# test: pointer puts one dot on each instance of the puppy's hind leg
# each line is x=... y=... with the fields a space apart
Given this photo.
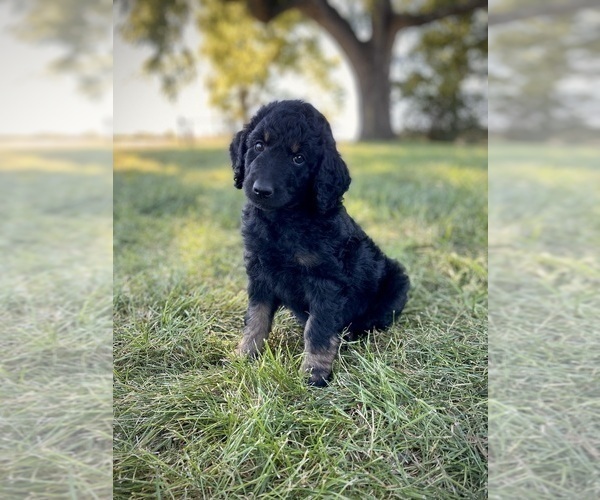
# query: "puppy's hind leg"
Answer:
x=390 y=299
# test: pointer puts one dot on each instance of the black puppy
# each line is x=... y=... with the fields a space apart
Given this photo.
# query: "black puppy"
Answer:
x=302 y=249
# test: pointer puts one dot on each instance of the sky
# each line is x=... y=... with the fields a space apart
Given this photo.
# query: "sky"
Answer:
x=34 y=101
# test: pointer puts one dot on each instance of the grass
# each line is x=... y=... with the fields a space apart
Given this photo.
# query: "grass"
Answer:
x=406 y=414
x=544 y=303
x=55 y=310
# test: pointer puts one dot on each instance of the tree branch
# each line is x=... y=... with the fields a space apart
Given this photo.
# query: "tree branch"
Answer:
x=332 y=21
x=400 y=21
x=267 y=10
x=319 y=11
x=540 y=11
x=381 y=18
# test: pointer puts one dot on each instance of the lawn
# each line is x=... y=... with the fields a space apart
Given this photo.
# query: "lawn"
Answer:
x=544 y=322
x=406 y=414
x=55 y=310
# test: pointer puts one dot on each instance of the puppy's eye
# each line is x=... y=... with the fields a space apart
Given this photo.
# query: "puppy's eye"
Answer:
x=259 y=147
x=298 y=159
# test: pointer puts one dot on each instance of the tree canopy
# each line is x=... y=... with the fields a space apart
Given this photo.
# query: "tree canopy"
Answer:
x=246 y=56
x=442 y=78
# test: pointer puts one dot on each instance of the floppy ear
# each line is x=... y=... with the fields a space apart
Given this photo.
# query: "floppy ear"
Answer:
x=238 y=148
x=237 y=151
x=331 y=181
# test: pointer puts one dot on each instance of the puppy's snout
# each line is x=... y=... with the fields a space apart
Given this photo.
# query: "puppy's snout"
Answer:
x=262 y=190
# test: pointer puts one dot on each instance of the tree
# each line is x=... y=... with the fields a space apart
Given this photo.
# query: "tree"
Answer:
x=369 y=54
x=160 y=24
x=435 y=80
x=365 y=33
x=245 y=55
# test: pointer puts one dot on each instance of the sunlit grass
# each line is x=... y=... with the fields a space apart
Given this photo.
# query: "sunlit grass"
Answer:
x=55 y=309
x=49 y=163
x=406 y=414
x=132 y=162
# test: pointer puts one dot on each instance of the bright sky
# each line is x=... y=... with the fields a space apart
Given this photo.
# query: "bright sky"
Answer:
x=32 y=100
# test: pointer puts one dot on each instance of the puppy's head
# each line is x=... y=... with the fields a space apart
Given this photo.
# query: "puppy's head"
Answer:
x=286 y=156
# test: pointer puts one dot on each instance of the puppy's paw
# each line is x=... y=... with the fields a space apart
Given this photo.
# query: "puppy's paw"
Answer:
x=319 y=380
x=244 y=350
x=318 y=368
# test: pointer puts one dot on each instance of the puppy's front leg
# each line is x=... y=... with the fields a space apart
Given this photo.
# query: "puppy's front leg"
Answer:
x=321 y=341
x=257 y=326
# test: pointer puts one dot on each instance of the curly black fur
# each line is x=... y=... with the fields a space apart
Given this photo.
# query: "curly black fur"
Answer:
x=302 y=249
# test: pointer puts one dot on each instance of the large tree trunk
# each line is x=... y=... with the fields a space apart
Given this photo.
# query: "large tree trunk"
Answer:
x=374 y=99
x=373 y=75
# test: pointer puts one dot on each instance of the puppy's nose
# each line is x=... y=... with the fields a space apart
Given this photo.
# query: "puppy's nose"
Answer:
x=262 y=190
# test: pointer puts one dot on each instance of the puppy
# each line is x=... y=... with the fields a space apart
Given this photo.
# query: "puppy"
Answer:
x=302 y=249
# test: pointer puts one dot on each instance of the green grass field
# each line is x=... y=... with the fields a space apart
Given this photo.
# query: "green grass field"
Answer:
x=544 y=322
x=406 y=414
x=55 y=310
